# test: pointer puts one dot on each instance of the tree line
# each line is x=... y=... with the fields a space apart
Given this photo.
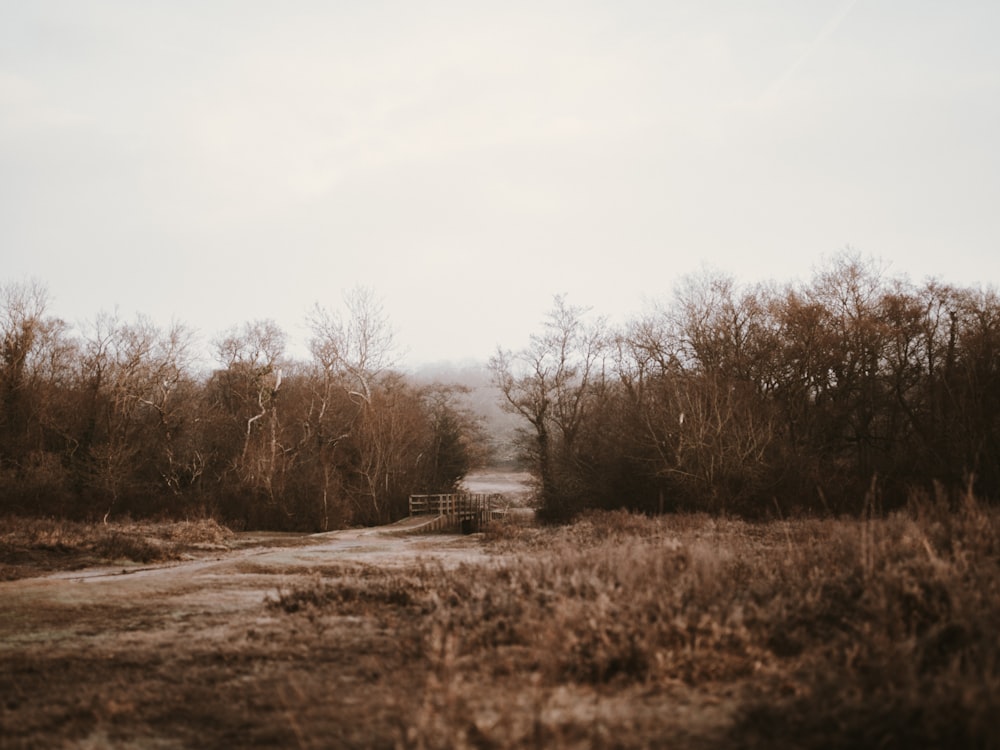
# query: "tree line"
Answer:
x=853 y=388
x=115 y=418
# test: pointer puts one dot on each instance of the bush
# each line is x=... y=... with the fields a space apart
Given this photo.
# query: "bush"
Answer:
x=118 y=545
x=26 y=538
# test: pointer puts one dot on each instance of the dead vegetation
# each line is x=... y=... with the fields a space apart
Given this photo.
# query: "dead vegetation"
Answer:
x=617 y=631
x=807 y=633
x=28 y=545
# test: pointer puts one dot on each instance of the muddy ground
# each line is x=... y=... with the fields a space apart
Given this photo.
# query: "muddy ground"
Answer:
x=188 y=654
x=195 y=653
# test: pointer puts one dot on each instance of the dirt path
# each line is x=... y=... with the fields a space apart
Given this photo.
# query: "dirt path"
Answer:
x=207 y=653
x=225 y=579
x=187 y=654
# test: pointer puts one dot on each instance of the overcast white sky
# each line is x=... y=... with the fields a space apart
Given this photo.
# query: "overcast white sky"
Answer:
x=218 y=162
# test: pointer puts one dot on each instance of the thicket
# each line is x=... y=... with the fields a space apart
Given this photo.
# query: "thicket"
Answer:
x=115 y=420
x=765 y=399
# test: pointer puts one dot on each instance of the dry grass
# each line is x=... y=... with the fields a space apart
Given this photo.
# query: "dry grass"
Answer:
x=618 y=631
x=834 y=633
x=30 y=544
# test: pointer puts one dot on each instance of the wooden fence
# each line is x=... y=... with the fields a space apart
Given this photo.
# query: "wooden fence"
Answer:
x=470 y=511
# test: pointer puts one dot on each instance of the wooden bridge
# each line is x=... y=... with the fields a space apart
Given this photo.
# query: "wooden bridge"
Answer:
x=469 y=512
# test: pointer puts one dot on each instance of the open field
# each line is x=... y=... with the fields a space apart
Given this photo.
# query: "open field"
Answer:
x=616 y=631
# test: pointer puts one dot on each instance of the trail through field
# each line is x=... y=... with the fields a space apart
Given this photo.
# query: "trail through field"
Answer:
x=183 y=654
x=244 y=575
x=221 y=581
x=225 y=650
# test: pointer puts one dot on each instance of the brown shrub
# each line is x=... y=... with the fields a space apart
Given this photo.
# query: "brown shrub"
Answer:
x=34 y=538
x=119 y=545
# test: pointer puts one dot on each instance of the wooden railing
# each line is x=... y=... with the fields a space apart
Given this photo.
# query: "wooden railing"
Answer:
x=466 y=509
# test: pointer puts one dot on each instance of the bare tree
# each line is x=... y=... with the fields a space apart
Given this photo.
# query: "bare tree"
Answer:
x=37 y=358
x=132 y=372
x=719 y=326
x=704 y=432
x=354 y=349
x=550 y=384
x=248 y=389
x=22 y=324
